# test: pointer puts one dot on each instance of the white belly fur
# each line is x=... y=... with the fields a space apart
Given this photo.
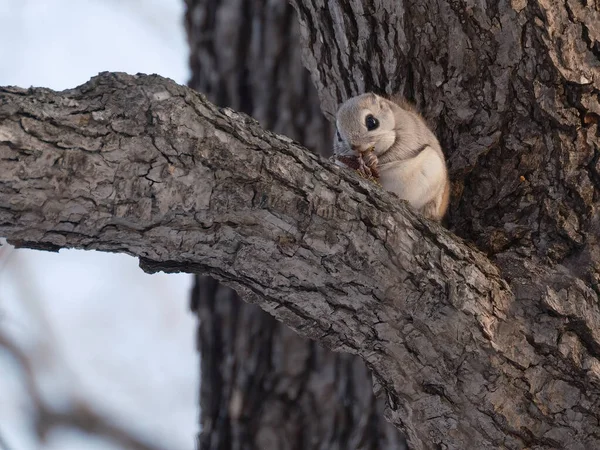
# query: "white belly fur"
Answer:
x=418 y=180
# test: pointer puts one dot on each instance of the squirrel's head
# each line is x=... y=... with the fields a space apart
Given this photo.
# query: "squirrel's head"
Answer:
x=363 y=122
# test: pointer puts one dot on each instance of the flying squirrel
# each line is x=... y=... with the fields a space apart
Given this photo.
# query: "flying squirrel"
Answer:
x=386 y=139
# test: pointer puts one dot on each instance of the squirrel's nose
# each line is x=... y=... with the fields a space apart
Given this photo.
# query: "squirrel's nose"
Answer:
x=360 y=149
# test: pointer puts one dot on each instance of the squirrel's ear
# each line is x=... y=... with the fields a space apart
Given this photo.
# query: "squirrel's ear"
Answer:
x=373 y=98
x=384 y=104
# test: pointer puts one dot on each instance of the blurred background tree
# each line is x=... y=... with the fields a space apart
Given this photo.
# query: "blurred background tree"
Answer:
x=263 y=387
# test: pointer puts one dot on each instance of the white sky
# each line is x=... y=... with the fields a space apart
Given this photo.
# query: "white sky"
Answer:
x=103 y=330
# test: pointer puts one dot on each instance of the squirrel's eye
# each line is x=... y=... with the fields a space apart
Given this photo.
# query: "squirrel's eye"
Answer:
x=371 y=122
x=339 y=137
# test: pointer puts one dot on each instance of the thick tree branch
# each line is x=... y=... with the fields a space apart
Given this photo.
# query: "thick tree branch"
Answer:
x=143 y=166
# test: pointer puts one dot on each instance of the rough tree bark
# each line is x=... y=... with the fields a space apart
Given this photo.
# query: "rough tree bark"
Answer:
x=471 y=353
x=512 y=89
x=465 y=359
x=263 y=386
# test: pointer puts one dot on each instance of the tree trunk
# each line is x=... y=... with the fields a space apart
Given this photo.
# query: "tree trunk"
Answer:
x=512 y=90
x=263 y=386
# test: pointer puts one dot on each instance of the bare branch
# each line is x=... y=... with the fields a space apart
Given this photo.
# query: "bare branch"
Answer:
x=143 y=166
x=79 y=415
x=3 y=443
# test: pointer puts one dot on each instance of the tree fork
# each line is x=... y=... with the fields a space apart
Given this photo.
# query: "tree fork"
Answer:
x=465 y=357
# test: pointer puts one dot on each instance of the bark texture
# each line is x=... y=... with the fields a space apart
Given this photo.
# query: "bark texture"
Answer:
x=512 y=89
x=288 y=392
x=263 y=386
x=465 y=358
x=246 y=54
